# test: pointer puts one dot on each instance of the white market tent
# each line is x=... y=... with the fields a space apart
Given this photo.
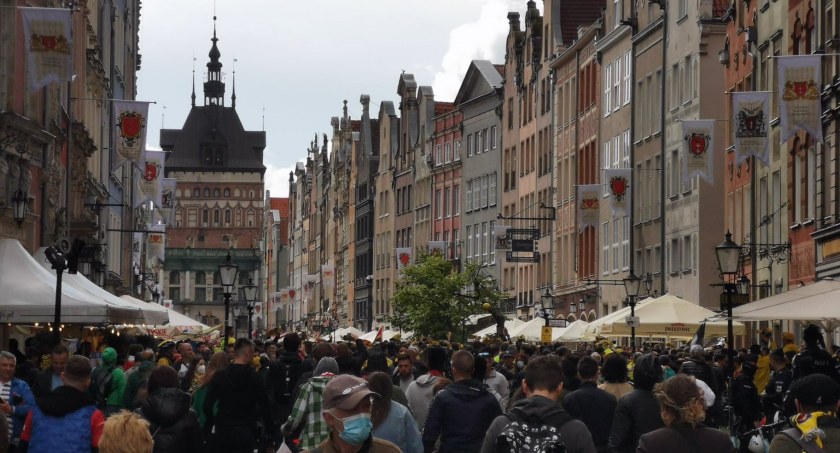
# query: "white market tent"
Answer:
x=667 y=316
x=819 y=301
x=28 y=294
x=341 y=332
x=510 y=325
x=81 y=283
x=532 y=330
x=387 y=334
x=575 y=331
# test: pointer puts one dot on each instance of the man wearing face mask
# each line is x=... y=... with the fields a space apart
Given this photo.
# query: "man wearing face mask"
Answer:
x=347 y=414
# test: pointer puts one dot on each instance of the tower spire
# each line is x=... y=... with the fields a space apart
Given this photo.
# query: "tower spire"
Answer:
x=233 y=91
x=193 y=88
x=214 y=88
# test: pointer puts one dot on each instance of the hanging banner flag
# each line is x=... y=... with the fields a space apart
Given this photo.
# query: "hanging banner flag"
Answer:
x=130 y=140
x=699 y=137
x=799 y=89
x=167 y=200
x=749 y=131
x=618 y=186
x=140 y=197
x=404 y=256
x=47 y=44
x=150 y=183
x=308 y=285
x=328 y=278
x=258 y=310
x=502 y=241
x=438 y=247
x=284 y=296
x=292 y=295
x=157 y=243
x=588 y=201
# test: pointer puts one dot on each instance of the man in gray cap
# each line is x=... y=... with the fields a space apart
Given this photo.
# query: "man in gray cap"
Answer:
x=346 y=410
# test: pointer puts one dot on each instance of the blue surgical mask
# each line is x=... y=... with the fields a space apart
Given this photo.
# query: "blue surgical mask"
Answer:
x=356 y=429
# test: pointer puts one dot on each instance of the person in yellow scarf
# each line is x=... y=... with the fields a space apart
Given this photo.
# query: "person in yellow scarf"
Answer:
x=762 y=372
x=815 y=426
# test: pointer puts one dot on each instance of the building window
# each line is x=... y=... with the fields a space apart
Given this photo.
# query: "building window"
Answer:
x=469 y=145
x=206 y=192
x=468 y=242
x=196 y=192
x=174 y=278
x=491 y=191
x=606 y=100
x=227 y=217
x=200 y=278
x=457 y=156
x=216 y=193
x=437 y=204
x=216 y=217
x=446 y=202
x=494 y=140
x=627 y=68
x=484 y=144
x=617 y=84
x=227 y=192
x=447 y=152
x=438 y=155
x=456 y=200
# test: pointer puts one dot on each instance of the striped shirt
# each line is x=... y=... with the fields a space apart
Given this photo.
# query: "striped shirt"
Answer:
x=5 y=394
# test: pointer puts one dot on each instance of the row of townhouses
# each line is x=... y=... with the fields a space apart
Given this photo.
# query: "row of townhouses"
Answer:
x=585 y=88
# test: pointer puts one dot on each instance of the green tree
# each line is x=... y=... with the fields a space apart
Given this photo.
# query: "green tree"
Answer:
x=433 y=298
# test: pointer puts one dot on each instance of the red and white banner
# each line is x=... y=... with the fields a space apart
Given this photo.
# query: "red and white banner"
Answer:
x=799 y=94
x=156 y=243
x=589 y=205
x=750 y=125
x=618 y=186
x=699 y=138
x=284 y=296
x=404 y=257
x=130 y=140
x=437 y=247
x=150 y=183
x=47 y=43
x=328 y=278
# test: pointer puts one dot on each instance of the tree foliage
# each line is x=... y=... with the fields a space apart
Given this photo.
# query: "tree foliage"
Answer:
x=432 y=298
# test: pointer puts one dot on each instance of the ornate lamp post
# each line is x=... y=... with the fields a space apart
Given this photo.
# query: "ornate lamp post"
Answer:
x=729 y=261
x=631 y=287
x=227 y=273
x=547 y=305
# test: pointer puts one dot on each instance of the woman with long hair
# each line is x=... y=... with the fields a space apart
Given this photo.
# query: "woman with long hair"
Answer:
x=391 y=420
x=217 y=362
x=683 y=409
x=614 y=371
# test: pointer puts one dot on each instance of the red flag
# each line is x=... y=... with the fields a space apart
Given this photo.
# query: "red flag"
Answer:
x=378 y=336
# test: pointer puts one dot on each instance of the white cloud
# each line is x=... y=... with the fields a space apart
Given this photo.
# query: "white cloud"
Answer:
x=482 y=39
x=277 y=180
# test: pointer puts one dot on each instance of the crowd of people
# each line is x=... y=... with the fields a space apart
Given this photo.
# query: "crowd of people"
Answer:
x=137 y=395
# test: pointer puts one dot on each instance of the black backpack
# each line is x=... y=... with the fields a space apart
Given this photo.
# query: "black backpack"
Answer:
x=100 y=385
x=531 y=435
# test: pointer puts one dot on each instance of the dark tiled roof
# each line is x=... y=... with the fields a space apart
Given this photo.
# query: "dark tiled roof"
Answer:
x=216 y=125
x=500 y=68
x=574 y=13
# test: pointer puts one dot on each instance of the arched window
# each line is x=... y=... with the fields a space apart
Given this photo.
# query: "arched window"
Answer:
x=227 y=217
x=205 y=217
x=216 y=215
x=251 y=194
x=227 y=192
x=250 y=218
x=196 y=192
x=178 y=193
x=216 y=193
x=206 y=192
x=200 y=278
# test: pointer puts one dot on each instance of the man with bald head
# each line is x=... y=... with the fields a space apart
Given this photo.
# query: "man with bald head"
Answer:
x=462 y=412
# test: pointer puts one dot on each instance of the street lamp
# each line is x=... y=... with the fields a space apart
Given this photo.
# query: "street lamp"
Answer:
x=631 y=287
x=547 y=304
x=19 y=201
x=227 y=273
x=250 y=300
x=729 y=261
x=59 y=263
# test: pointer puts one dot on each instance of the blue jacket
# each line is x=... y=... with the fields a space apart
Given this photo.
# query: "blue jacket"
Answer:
x=70 y=433
x=20 y=389
x=401 y=429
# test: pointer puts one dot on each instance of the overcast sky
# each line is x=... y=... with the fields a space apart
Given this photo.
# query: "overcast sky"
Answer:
x=298 y=60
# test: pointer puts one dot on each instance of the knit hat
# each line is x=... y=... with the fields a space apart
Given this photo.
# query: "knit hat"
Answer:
x=325 y=365
x=816 y=390
x=788 y=336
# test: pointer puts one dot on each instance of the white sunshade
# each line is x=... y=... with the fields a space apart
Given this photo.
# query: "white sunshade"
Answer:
x=819 y=301
x=665 y=316
x=158 y=315
x=510 y=325
x=130 y=314
x=532 y=330
x=341 y=332
x=576 y=331
x=28 y=293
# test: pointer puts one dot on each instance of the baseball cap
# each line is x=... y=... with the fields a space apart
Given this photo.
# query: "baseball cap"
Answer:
x=345 y=392
x=816 y=390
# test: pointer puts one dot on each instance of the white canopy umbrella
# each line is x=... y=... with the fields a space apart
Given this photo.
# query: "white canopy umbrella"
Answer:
x=82 y=283
x=576 y=331
x=386 y=335
x=159 y=315
x=532 y=330
x=342 y=332
x=510 y=325
x=665 y=316
x=28 y=293
x=819 y=301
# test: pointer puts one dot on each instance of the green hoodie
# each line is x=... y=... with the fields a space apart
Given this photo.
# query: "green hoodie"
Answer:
x=118 y=384
x=137 y=381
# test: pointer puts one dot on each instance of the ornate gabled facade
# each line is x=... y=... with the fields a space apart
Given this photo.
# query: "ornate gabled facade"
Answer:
x=218 y=201
x=40 y=132
x=366 y=164
x=384 y=258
